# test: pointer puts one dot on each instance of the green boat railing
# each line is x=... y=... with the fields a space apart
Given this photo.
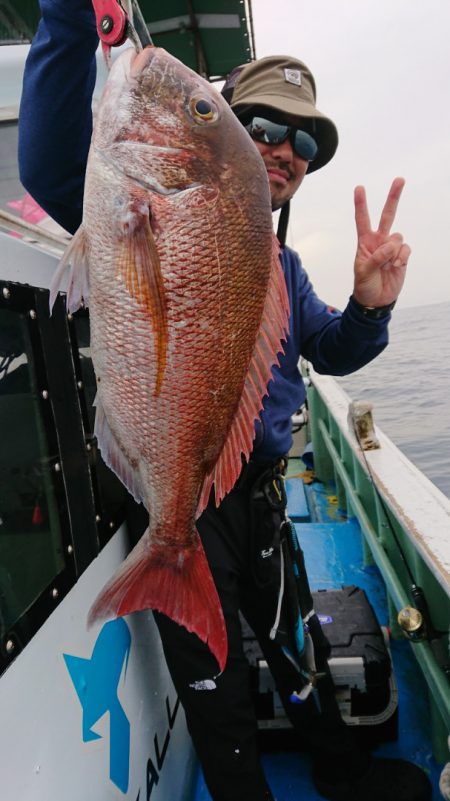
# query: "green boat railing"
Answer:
x=404 y=518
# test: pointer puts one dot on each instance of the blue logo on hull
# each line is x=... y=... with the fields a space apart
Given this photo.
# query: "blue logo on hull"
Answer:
x=96 y=681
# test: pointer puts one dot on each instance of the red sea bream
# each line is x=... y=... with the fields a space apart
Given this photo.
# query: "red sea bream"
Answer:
x=178 y=263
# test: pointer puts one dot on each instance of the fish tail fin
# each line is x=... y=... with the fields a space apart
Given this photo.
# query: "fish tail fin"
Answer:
x=179 y=585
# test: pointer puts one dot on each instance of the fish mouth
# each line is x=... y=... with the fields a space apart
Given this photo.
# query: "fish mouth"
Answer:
x=139 y=61
x=136 y=171
x=135 y=63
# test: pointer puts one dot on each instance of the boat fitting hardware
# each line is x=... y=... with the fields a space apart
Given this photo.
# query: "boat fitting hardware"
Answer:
x=410 y=621
x=107 y=24
x=360 y=420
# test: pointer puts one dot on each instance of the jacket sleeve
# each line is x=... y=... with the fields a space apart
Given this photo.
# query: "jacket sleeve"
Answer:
x=337 y=343
x=55 y=121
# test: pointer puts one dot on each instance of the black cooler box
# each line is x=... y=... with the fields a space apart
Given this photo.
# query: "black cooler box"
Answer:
x=360 y=665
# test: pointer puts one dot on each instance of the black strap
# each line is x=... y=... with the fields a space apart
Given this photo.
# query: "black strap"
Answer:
x=283 y=221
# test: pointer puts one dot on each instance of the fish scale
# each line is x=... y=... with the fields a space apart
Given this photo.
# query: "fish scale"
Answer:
x=177 y=260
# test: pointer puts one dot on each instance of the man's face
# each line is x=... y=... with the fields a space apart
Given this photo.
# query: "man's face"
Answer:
x=284 y=168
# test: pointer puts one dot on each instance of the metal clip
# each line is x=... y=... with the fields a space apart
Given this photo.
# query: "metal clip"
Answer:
x=115 y=25
x=111 y=21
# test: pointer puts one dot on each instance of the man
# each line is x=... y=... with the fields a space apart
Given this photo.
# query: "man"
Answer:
x=275 y=98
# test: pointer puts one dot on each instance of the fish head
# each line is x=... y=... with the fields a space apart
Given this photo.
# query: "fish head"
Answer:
x=168 y=129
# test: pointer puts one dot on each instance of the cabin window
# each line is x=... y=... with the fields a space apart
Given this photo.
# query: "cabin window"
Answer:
x=31 y=549
x=12 y=193
x=15 y=201
x=59 y=503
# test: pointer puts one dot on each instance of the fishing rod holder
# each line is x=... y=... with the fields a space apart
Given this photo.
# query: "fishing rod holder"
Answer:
x=360 y=420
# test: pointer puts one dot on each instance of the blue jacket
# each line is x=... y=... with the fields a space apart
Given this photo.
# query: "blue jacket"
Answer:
x=54 y=135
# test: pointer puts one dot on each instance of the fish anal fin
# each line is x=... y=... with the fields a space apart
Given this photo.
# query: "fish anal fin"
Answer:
x=140 y=268
x=76 y=258
x=273 y=329
x=177 y=583
x=113 y=454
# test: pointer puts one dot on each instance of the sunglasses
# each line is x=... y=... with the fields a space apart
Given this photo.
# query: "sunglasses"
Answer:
x=274 y=133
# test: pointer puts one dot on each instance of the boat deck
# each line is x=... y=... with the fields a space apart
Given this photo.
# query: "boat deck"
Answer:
x=333 y=548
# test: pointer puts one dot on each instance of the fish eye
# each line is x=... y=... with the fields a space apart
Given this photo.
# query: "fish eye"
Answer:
x=203 y=110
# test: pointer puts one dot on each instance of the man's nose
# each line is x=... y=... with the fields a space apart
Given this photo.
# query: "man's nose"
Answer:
x=283 y=151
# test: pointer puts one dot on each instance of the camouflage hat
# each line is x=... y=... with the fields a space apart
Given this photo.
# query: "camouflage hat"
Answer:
x=286 y=86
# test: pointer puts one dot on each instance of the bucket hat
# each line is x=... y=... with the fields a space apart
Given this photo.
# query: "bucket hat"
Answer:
x=286 y=86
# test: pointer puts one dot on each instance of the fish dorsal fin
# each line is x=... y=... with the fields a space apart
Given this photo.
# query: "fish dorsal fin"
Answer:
x=75 y=257
x=273 y=329
x=113 y=454
x=139 y=267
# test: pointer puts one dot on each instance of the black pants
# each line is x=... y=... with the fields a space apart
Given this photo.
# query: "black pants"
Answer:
x=219 y=711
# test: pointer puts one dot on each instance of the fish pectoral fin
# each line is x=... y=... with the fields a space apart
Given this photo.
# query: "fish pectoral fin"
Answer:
x=273 y=329
x=176 y=582
x=76 y=258
x=113 y=454
x=140 y=268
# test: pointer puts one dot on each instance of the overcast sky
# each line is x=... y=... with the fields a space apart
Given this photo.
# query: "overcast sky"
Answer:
x=382 y=69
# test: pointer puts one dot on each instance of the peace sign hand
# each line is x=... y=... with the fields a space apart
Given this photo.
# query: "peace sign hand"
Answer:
x=381 y=257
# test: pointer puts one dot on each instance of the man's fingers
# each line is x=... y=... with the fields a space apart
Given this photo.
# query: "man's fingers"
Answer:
x=384 y=255
x=390 y=207
x=362 y=218
x=401 y=259
x=393 y=253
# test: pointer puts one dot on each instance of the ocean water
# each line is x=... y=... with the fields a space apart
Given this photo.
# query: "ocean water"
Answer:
x=409 y=386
